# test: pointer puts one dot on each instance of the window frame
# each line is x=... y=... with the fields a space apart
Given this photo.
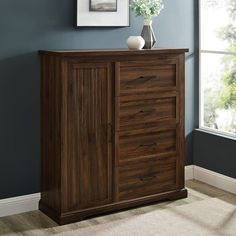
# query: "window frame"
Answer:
x=201 y=96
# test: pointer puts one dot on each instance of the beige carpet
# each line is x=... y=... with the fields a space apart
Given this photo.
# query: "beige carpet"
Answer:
x=207 y=217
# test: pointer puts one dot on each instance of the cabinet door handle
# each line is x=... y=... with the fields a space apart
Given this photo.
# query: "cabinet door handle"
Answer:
x=148 y=178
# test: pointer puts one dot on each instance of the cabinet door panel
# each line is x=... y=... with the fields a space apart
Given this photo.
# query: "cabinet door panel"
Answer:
x=88 y=136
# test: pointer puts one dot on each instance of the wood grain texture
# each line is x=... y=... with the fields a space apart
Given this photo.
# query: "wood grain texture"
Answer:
x=89 y=136
x=50 y=120
x=147 y=145
x=112 y=130
x=109 y=53
x=146 y=76
x=147 y=111
x=145 y=178
x=181 y=130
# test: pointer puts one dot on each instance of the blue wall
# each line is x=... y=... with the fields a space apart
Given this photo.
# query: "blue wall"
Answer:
x=29 y=25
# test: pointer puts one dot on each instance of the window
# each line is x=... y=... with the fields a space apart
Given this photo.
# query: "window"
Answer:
x=218 y=66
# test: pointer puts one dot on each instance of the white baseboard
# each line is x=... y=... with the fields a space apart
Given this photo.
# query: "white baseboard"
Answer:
x=210 y=177
x=215 y=179
x=189 y=172
x=16 y=205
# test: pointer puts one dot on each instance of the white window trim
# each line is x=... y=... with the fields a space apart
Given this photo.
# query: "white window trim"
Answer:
x=201 y=97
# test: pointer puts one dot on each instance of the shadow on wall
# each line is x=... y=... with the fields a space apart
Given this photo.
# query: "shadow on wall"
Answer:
x=19 y=125
x=189 y=149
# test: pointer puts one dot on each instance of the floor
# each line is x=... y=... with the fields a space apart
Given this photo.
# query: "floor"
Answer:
x=36 y=223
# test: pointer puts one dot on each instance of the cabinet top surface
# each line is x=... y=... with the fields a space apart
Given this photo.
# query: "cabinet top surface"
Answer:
x=114 y=51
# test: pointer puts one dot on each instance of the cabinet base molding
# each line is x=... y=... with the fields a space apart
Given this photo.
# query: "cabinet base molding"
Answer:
x=79 y=215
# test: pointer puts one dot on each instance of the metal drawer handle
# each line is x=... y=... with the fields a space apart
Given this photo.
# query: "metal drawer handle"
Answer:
x=147 y=111
x=145 y=145
x=146 y=78
x=148 y=178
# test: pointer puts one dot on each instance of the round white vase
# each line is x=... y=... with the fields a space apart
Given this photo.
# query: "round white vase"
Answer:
x=135 y=42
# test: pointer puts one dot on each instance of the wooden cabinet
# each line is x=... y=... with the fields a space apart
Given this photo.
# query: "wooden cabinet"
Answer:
x=112 y=130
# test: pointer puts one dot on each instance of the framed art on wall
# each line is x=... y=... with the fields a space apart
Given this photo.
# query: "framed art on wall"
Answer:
x=103 y=5
x=103 y=13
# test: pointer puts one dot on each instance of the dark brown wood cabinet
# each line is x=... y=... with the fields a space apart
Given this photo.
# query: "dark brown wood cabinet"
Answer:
x=112 y=130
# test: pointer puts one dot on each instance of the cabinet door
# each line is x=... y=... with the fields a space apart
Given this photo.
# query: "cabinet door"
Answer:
x=87 y=179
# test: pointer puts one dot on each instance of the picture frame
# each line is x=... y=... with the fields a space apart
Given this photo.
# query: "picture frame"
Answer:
x=102 y=13
x=103 y=5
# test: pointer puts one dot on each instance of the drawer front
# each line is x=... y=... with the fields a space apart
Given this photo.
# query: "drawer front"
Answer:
x=143 y=76
x=145 y=178
x=135 y=113
x=147 y=145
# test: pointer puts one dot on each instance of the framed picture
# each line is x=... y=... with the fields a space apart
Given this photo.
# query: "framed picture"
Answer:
x=102 y=13
x=103 y=5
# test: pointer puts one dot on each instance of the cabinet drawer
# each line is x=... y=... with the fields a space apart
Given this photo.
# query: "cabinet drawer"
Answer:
x=143 y=76
x=145 y=178
x=135 y=113
x=147 y=145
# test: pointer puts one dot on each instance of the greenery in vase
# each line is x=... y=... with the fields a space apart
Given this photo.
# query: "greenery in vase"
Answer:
x=147 y=8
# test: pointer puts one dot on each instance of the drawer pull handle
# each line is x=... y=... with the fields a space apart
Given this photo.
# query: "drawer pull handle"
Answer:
x=148 y=178
x=146 y=78
x=147 y=111
x=147 y=145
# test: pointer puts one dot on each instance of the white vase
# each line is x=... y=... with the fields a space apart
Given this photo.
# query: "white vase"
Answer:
x=135 y=42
